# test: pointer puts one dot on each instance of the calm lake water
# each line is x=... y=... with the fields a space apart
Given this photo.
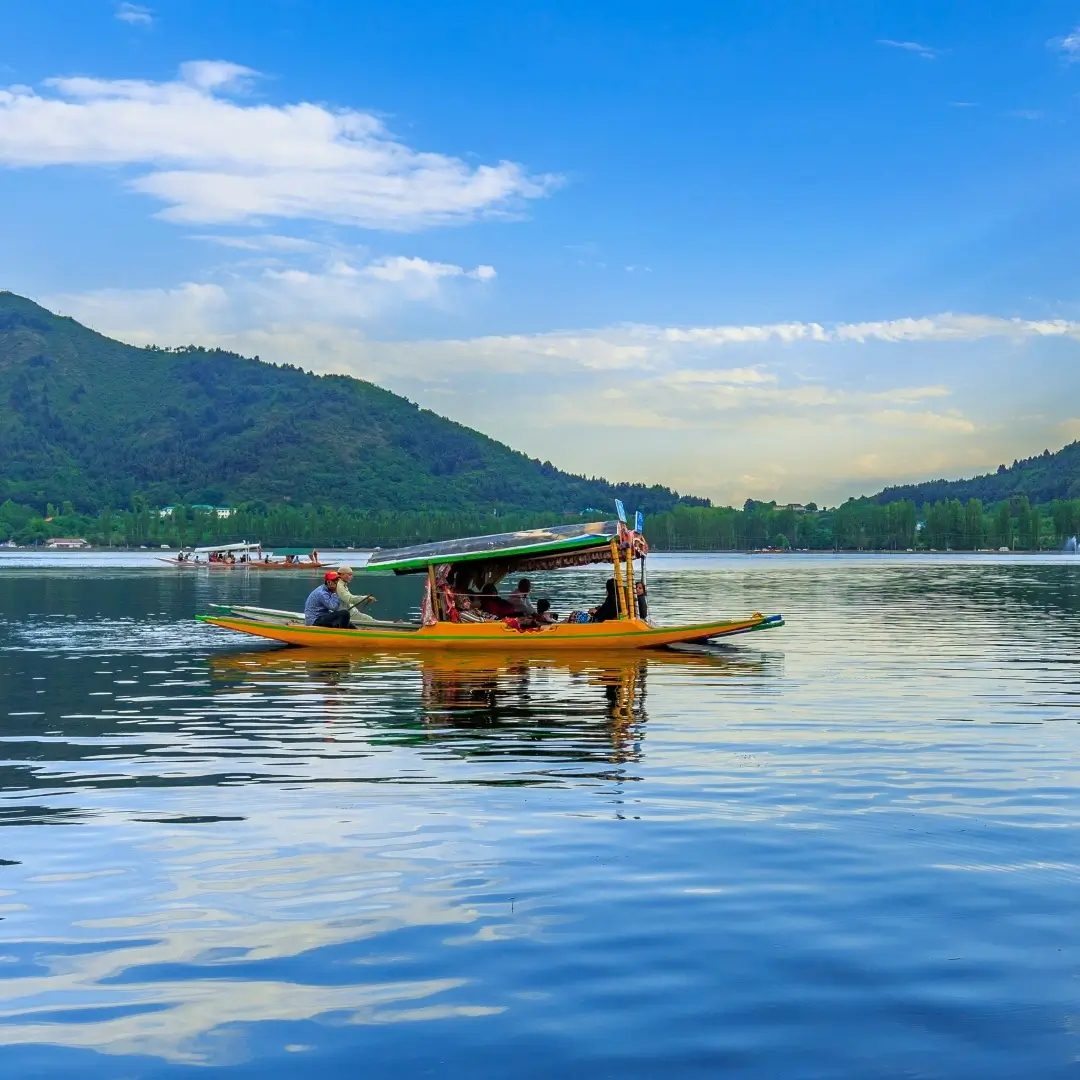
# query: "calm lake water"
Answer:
x=846 y=848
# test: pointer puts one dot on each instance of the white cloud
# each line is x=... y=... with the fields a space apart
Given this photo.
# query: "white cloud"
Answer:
x=265 y=243
x=931 y=421
x=213 y=159
x=334 y=300
x=399 y=268
x=135 y=14
x=951 y=327
x=1069 y=44
x=925 y=51
x=724 y=375
x=342 y=294
x=644 y=346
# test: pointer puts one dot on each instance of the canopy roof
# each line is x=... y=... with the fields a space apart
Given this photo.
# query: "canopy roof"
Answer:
x=532 y=548
x=225 y=547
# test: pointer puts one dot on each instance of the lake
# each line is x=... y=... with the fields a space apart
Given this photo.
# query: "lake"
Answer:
x=844 y=848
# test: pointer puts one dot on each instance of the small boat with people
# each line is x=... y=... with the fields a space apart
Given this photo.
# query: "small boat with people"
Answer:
x=461 y=607
x=249 y=556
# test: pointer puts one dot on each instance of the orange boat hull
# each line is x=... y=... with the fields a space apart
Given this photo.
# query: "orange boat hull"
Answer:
x=616 y=634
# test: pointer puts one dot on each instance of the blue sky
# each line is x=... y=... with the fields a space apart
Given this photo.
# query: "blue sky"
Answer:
x=749 y=249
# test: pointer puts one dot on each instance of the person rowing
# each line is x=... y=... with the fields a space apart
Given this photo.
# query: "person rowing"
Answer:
x=350 y=602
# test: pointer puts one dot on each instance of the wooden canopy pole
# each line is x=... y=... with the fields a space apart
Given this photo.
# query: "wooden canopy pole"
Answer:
x=436 y=607
x=616 y=566
x=631 y=600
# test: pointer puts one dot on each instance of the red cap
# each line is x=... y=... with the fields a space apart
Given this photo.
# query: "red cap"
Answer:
x=330 y=575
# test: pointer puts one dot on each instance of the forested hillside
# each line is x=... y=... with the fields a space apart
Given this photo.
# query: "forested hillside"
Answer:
x=89 y=421
x=857 y=525
x=1042 y=479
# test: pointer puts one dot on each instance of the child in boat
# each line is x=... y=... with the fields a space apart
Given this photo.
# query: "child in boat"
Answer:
x=544 y=615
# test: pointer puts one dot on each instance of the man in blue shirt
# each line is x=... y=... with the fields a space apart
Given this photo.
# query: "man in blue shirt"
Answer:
x=323 y=606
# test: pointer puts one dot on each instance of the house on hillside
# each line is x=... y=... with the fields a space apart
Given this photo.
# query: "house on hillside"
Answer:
x=66 y=543
x=203 y=508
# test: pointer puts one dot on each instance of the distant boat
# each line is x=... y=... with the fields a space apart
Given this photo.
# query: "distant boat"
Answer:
x=245 y=556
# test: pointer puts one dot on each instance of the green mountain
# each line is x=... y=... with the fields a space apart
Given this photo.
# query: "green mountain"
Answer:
x=90 y=420
x=1042 y=479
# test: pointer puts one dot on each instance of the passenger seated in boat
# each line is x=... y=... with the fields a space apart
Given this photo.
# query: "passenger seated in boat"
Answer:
x=491 y=602
x=519 y=598
x=544 y=615
x=468 y=613
x=609 y=609
x=642 y=601
x=323 y=607
x=350 y=602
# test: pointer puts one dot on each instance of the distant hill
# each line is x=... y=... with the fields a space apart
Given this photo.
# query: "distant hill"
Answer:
x=1042 y=479
x=93 y=421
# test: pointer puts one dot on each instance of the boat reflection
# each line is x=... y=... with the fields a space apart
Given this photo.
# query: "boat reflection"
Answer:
x=581 y=707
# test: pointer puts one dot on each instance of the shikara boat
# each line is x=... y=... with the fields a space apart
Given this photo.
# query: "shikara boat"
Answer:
x=454 y=568
x=217 y=556
x=245 y=556
x=289 y=559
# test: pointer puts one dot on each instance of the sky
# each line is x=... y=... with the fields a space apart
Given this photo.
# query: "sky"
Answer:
x=777 y=250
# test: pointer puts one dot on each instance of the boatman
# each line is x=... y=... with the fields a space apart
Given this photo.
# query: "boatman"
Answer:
x=349 y=601
x=323 y=606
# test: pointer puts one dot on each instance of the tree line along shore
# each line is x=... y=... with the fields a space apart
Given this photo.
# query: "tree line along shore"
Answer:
x=857 y=525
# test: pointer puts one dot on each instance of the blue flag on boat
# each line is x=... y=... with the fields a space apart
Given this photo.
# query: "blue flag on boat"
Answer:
x=639 y=522
x=620 y=510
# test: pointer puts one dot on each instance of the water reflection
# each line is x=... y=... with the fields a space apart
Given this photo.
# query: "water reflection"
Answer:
x=587 y=707
x=788 y=851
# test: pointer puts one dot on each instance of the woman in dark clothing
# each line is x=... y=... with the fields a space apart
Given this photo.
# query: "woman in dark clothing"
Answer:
x=609 y=609
x=490 y=601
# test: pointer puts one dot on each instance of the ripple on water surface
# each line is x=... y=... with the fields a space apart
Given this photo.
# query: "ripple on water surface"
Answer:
x=842 y=849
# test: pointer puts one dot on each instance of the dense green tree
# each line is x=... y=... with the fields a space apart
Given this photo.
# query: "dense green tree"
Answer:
x=1003 y=531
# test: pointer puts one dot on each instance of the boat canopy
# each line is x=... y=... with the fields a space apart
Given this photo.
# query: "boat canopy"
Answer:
x=533 y=549
x=209 y=550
